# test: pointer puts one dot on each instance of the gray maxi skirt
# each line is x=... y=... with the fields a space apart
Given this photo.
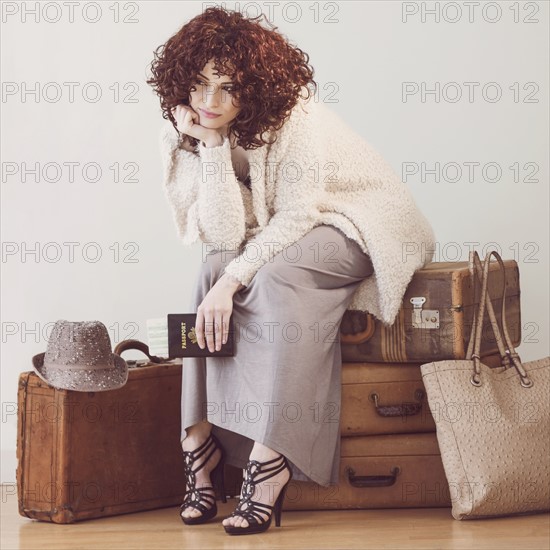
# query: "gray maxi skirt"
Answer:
x=282 y=387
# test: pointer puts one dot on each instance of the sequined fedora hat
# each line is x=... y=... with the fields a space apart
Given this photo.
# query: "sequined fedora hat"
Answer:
x=79 y=357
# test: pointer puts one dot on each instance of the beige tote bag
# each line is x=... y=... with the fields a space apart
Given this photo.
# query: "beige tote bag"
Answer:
x=493 y=424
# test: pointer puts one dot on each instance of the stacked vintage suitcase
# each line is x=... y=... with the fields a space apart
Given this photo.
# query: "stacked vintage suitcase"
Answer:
x=84 y=455
x=389 y=452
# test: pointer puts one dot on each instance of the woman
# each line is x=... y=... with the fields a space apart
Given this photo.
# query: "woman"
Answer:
x=302 y=219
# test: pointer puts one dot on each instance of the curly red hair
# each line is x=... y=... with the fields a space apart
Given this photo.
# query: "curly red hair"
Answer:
x=268 y=72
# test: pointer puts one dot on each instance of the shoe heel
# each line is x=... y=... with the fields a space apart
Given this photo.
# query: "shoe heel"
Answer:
x=218 y=478
x=278 y=508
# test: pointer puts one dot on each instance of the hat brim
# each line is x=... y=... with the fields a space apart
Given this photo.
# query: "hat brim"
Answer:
x=84 y=380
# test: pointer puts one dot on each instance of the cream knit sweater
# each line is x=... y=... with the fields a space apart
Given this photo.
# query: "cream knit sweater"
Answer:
x=319 y=171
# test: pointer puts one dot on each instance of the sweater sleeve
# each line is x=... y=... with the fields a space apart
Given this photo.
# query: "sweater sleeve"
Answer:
x=203 y=192
x=296 y=190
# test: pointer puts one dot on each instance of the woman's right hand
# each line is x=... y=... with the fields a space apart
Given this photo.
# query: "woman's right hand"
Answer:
x=188 y=123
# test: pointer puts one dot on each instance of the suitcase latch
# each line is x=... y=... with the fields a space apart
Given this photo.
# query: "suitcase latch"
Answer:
x=423 y=318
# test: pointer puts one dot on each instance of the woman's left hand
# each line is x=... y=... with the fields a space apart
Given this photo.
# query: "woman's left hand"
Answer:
x=214 y=312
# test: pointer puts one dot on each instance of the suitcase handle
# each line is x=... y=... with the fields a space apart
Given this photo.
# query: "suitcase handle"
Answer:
x=372 y=481
x=403 y=409
x=360 y=337
x=139 y=346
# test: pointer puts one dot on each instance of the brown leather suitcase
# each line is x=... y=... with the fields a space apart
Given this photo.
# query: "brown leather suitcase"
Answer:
x=387 y=398
x=84 y=455
x=435 y=318
x=379 y=471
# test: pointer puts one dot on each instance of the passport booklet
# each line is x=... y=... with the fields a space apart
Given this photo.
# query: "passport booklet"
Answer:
x=182 y=338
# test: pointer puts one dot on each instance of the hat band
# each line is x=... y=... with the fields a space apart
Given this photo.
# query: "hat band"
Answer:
x=78 y=366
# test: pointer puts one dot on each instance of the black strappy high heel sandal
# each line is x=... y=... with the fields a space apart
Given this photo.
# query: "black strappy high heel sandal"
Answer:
x=249 y=509
x=193 y=496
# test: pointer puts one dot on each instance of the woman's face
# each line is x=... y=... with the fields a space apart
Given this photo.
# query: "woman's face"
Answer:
x=212 y=94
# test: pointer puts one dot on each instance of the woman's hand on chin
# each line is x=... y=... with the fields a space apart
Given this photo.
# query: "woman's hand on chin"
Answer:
x=187 y=121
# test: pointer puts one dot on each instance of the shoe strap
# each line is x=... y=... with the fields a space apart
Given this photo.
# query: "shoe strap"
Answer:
x=192 y=456
x=252 y=512
x=200 y=494
x=261 y=470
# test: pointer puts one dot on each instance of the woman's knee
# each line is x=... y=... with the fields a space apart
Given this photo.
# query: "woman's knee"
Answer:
x=313 y=266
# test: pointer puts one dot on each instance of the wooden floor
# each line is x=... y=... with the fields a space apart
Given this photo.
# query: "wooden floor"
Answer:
x=392 y=529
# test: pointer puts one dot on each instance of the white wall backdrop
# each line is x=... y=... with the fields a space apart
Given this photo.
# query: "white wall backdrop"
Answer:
x=128 y=263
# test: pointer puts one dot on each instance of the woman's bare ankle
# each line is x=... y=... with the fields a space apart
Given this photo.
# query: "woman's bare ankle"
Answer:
x=262 y=453
x=196 y=434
